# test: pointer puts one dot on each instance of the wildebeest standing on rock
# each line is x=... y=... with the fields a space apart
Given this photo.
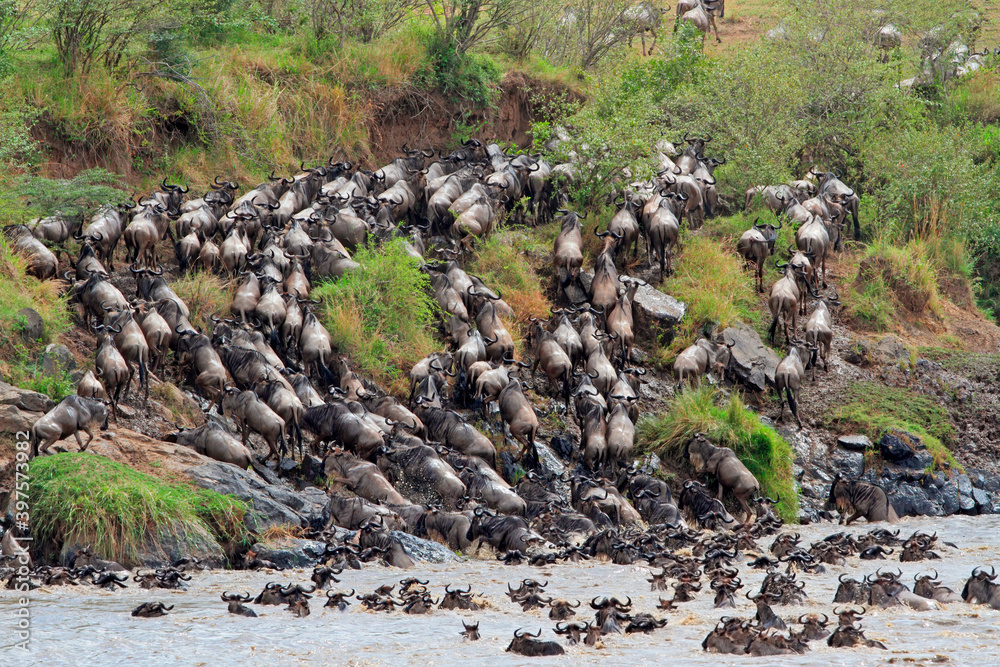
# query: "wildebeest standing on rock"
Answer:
x=727 y=468
x=72 y=415
x=860 y=499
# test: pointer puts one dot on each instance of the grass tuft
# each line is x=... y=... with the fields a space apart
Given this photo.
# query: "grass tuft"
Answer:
x=765 y=453
x=381 y=314
x=710 y=280
x=504 y=263
x=205 y=295
x=91 y=500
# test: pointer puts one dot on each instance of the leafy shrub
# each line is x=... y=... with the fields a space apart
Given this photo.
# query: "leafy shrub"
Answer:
x=765 y=453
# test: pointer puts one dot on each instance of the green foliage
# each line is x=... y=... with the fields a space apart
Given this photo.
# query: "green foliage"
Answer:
x=19 y=290
x=18 y=149
x=765 y=453
x=119 y=512
x=503 y=262
x=381 y=314
x=680 y=61
x=466 y=76
x=874 y=409
x=72 y=198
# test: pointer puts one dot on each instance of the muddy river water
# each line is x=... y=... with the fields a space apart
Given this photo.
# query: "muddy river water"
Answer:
x=77 y=625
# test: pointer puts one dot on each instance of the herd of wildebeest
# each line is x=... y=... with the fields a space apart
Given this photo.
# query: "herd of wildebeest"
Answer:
x=270 y=365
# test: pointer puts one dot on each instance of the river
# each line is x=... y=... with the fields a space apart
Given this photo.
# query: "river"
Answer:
x=80 y=625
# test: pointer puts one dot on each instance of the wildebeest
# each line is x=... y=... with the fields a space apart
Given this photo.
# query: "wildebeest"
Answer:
x=151 y=610
x=236 y=605
x=528 y=645
x=981 y=588
x=860 y=499
x=72 y=415
x=726 y=467
x=215 y=442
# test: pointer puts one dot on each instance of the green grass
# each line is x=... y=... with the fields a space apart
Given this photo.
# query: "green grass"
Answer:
x=765 y=453
x=874 y=409
x=205 y=295
x=19 y=290
x=381 y=315
x=710 y=280
x=91 y=500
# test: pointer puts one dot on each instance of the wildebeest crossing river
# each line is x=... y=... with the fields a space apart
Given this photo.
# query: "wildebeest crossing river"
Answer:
x=86 y=625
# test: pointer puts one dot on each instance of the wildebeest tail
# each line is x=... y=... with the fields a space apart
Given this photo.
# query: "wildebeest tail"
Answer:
x=773 y=328
x=791 y=402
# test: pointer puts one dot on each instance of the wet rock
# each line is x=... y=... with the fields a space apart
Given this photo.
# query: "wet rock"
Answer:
x=948 y=495
x=656 y=313
x=24 y=399
x=854 y=443
x=290 y=552
x=984 y=503
x=890 y=350
x=552 y=468
x=964 y=485
x=848 y=464
x=272 y=504
x=753 y=363
x=911 y=500
x=966 y=504
x=896 y=446
x=57 y=360
x=311 y=467
x=168 y=548
x=984 y=479
x=32 y=326
x=424 y=550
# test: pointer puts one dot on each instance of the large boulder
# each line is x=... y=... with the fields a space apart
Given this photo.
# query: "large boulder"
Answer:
x=905 y=450
x=57 y=360
x=656 y=313
x=271 y=504
x=290 y=552
x=32 y=325
x=24 y=399
x=753 y=363
x=854 y=443
x=424 y=550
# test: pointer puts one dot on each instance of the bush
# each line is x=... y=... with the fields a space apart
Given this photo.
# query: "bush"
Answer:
x=76 y=197
x=119 y=512
x=205 y=295
x=765 y=453
x=381 y=314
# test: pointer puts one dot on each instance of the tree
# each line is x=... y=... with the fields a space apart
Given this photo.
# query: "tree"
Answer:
x=85 y=31
x=466 y=23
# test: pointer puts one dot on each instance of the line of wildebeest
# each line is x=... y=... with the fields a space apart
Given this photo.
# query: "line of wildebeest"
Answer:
x=270 y=365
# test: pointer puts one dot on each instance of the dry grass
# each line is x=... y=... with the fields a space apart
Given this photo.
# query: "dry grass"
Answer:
x=205 y=295
x=505 y=263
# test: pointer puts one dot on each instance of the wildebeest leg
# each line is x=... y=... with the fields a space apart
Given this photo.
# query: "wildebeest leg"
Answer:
x=854 y=517
x=114 y=403
x=90 y=438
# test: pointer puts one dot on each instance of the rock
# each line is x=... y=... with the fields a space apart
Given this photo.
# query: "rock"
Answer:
x=984 y=479
x=32 y=326
x=13 y=420
x=752 y=362
x=424 y=550
x=854 y=443
x=578 y=291
x=57 y=360
x=76 y=376
x=649 y=463
x=964 y=485
x=949 y=499
x=272 y=504
x=656 y=313
x=563 y=445
x=890 y=350
x=983 y=501
x=858 y=352
x=311 y=467
x=290 y=552
x=24 y=399
x=848 y=464
x=896 y=446
x=171 y=547
x=967 y=504
x=911 y=500
x=552 y=467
